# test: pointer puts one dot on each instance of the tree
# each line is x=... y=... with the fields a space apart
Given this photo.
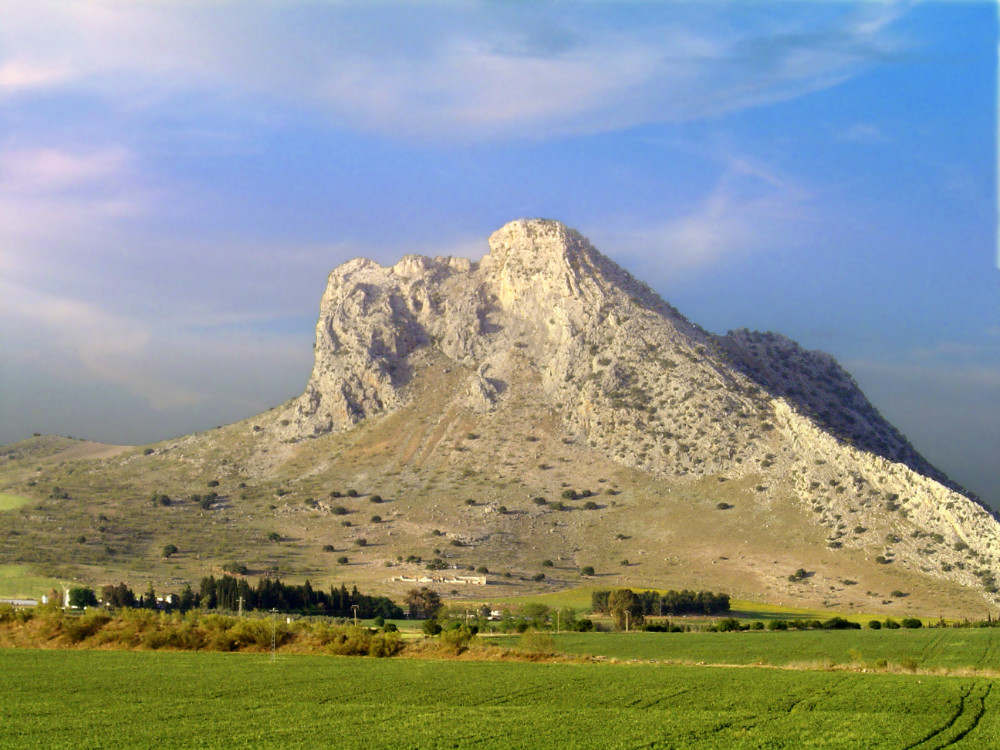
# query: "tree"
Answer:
x=625 y=608
x=118 y=596
x=149 y=598
x=423 y=603
x=188 y=599
x=81 y=596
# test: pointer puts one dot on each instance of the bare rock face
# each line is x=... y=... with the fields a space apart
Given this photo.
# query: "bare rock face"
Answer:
x=632 y=378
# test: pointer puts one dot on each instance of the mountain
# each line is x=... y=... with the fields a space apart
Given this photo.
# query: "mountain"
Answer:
x=540 y=405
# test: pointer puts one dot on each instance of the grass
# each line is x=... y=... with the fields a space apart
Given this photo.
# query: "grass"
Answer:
x=97 y=699
x=17 y=581
x=579 y=598
x=11 y=502
x=927 y=648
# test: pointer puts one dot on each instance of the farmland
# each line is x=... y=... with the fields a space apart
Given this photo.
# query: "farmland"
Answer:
x=927 y=648
x=98 y=699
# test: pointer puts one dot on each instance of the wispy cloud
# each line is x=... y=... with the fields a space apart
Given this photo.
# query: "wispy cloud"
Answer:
x=82 y=342
x=21 y=75
x=864 y=132
x=445 y=71
x=752 y=208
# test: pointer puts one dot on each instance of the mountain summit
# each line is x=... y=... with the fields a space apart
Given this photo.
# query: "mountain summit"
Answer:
x=538 y=413
x=628 y=376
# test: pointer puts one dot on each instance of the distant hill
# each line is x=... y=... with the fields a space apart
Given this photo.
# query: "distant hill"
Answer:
x=531 y=414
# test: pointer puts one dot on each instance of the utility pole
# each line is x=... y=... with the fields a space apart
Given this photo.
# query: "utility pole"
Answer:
x=354 y=608
x=557 y=620
x=274 y=633
x=241 y=607
x=626 y=620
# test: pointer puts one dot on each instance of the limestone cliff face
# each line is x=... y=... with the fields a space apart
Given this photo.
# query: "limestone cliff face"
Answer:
x=632 y=378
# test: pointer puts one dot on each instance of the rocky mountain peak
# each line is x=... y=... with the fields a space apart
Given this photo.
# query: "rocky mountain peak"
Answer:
x=545 y=319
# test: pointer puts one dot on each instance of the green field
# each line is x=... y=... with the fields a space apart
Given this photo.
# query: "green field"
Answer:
x=929 y=648
x=10 y=502
x=19 y=581
x=97 y=699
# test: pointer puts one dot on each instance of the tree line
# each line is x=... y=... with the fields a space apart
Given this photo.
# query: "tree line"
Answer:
x=226 y=592
x=671 y=602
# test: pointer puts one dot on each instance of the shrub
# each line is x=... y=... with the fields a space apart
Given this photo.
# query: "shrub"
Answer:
x=328 y=548
x=376 y=519
x=470 y=501
x=891 y=624
x=839 y=623
x=587 y=570
x=502 y=510
x=912 y=622
x=569 y=494
x=352 y=493
x=482 y=570
x=547 y=564
x=458 y=636
x=536 y=642
x=723 y=506
x=538 y=577
x=874 y=625
x=342 y=560
x=169 y=549
x=81 y=596
x=590 y=505
x=362 y=542
x=339 y=510
x=236 y=568
x=205 y=503
x=539 y=500
x=375 y=499
x=214 y=483
x=431 y=627
x=147 y=451
x=274 y=536
x=727 y=625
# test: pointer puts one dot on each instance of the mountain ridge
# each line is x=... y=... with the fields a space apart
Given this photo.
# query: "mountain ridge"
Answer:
x=477 y=398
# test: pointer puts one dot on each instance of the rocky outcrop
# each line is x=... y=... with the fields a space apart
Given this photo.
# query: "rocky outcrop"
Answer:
x=632 y=378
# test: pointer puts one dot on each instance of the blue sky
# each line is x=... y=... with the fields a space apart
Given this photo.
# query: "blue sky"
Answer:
x=178 y=177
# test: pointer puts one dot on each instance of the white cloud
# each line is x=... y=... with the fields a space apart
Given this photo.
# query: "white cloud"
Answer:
x=21 y=75
x=445 y=71
x=863 y=132
x=81 y=342
x=45 y=169
x=752 y=208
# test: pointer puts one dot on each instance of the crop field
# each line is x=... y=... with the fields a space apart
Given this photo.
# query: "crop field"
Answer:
x=98 y=699
x=18 y=580
x=10 y=502
x=927 y=648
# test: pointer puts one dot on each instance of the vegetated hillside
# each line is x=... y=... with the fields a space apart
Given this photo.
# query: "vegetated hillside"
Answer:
x=532 y=414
